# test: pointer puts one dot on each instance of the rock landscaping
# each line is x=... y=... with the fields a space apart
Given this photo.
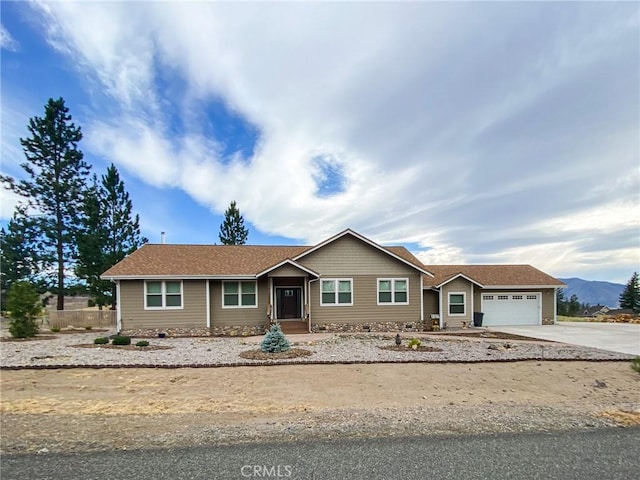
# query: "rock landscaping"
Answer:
x=323 y=349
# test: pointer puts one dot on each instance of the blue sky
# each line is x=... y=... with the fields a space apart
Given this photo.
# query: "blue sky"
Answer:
x=470 y=132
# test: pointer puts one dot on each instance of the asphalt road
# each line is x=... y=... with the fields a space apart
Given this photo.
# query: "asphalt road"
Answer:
x=598 y=454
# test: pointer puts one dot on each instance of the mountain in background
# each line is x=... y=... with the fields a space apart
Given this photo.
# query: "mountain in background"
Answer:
x=593 y=293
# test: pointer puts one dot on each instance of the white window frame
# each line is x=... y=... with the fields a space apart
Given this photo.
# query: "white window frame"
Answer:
x=163 y=294
x=464 y=304
x=336 y=285
x=239 y=282
x=393 y=291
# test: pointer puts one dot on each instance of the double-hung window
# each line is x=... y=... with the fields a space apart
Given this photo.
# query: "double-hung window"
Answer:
x=239 y=294
x=163 y=294
x=393 y=291
x=336 y=291
x=456 y=303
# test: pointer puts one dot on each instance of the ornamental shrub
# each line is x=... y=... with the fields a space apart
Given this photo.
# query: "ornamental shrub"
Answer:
x=414 y=343
x=101 y=341
x=55 y=328
x=275 y=341
x=121 y=340
x=142 y=343
x=635 y=364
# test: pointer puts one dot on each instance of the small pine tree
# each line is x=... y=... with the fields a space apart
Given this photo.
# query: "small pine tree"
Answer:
x=275 y=341
x=24 y=306
x=630 y=296
x=561 y=302
x=232 y=230
x=573 y=306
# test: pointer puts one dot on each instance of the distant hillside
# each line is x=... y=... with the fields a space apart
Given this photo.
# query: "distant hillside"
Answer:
x=593 y=293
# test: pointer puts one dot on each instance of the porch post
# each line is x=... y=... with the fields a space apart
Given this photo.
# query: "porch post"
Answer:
x=271 y=307
x=207 y=296
x=307 y=302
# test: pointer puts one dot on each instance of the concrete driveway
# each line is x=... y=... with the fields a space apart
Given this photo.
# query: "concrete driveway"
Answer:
x=616 y=337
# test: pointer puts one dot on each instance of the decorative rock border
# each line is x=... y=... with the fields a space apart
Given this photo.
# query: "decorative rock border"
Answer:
x=272 y=363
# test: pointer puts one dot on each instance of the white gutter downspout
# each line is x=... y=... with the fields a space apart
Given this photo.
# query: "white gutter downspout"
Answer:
x=207 y=296
x=118 y=309
x=441 y=319
x=421 y=302
x=472 y=309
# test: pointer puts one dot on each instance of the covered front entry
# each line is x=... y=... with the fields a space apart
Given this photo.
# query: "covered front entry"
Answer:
x=288 y=303
x=289 y=296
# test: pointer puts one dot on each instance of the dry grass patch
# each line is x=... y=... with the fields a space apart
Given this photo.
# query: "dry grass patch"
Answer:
x=624 y=418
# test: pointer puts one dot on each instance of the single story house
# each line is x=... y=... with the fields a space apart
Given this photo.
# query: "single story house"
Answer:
x=595 y=311
x=345 y=283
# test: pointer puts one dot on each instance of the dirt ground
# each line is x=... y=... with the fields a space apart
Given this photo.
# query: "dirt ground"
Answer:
x=88 y=409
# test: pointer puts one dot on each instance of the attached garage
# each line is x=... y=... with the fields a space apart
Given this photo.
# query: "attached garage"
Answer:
x=519 y=308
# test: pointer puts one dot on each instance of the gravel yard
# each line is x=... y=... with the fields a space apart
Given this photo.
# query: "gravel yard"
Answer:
x=62 y=351
x=355 y=389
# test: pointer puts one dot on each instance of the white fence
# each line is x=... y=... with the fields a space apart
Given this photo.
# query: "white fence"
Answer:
x=81 y=318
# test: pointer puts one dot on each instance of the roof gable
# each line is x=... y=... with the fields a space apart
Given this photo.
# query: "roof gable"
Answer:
x=400 y=254
x=451 y=278
x=293 y=263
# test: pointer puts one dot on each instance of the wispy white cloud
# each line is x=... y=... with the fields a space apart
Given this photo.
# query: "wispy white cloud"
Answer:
x=7 y=42
x=481 y=132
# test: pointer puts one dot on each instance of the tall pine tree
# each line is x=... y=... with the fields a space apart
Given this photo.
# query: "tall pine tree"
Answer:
x=109 y=233
x=232 y=229
x=630 y=296
x=55 y=186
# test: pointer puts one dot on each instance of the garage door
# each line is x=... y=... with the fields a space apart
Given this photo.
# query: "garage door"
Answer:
x=511 y=309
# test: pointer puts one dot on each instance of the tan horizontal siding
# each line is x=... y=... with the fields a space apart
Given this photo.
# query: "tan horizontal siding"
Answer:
x=365 y=308
x=548 y=303
x=134 y=316
x=349 y=256
x=288 y=271
x=238 y=316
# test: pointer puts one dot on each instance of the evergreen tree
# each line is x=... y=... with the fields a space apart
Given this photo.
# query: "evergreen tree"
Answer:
x=573 y=306
x=24 y=307
x=630 y=296
x=109 y=233
x=561 y=303
x=232 y=229
x=18 y=252
x=54 y=187
x=275 y=341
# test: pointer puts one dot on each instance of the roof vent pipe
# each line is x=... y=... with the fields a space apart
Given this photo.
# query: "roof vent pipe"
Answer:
x=162 y=238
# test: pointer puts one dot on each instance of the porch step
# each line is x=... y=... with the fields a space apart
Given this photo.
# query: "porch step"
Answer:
x=292 y=327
